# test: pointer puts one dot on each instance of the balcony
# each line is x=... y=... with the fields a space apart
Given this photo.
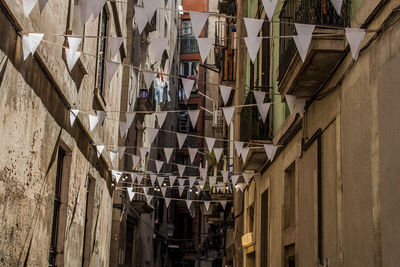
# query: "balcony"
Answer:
x=139 y=203
x=146 y=100
x=326 y=49
x=225 y=52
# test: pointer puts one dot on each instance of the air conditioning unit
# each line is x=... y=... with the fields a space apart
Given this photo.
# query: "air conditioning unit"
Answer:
x=247 y=240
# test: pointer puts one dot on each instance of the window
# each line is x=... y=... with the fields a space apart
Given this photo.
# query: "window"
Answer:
x=264 y=229
x=59 y=210
x=130 y=240
x=289 y=197
x=188 y=43
x=289 y=256
x=102 y=43
x=190 y=70
x=88 y=221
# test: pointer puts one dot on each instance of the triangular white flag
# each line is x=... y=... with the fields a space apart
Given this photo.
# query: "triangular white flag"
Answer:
x=131 y=193
x=269 y=6
x=167 y=201
x=212 y=180
x=74 y=42
x=115 y=44
x=245 y=152
x=270 y=150
x=181 y=139
x=259 y=96
x=181 y=182
x=143 y=152
x=85 y=7
x=113 y=155
x=228 y=113
x=194 y=115
x=140 y=18
x=158 y=46
x=305 y=31
x=73 y=114
x=150 y=7
x=246 y=177
x=300 y=105
x=239 y=146
x=205 y=45
x=163 y=190
x=207 y=204
x=337 y=4
x=123 y=128
x=30 y=42
x=188 y=204
x=28 y=6
x=290 y=100
x=355 y=38
x=152 y=134
x=168 y=152
x=253 y=45
x=198 y=20
x=172 y=180
x=192 y=153
x=234 y=179
x=225 y=93
x=223 y=204
x=121 y=151
x=192 y=179
x=72 y=57
x=263 y=109
x=253 y=26
x=302 y=50
x=97 y=6
x=203 y=173
x=129 y=118
x=42 y=4
x=181 y=169
x=241 y=187
x=159 y=165
x=210 y=143
x=117 y=175
x=139 y=178
x=148 y=78
x=153 y=178
x=99 y=150
x=148 y=199
x=111 y=68
x=161 y=117
x=135 y=160
x=225 y=176
x=218 y=153
x=145 y=190
x=160 y=181
x=187 y=86
x=133 y=177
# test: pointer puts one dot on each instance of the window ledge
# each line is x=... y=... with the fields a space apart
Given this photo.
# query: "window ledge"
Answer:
x=99 y=99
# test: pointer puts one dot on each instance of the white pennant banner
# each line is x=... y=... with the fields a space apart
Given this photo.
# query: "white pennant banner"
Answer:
x=99 y=150
x=246 y=177
x=203 y=173
x=225 y=93
x=140 y=18
x=28 y=6
x=192 y=179
x=30 y=42
x=210 y=143
x=97 y=6
x=172 y=180
x=218 y=153
x=73 y=43
x=153 y=178
x=158 y=46
x=234 y=179
x=305 y=31
x=225 y=176
x=290 y=100
x=139 y=179
x=263 y=109
x=121 y=151
x=152 y=134
x=72 y=57
x=111 y=68
x=115 y=44
x=123 y=128
x=355 y=38
x=212 y=180
x=113 y=155
x=259 y=96
x=188 y=204
x=228 y=113
x=167 y=201
x=205 y=45
x=181 y=169
x=253 y=26
x=168 y=152
x=131 y=193
x=163 y=190
x=96 y=119
x=150 y=7
x=149 y=198
x=245 y=152
x=160 y=181
x=85 y=7
x=198 y=20
x=117 y=175
x=270 y=150
x=161 y=116
x=143 y=152
x=159 y=165
x=223 y=204
x=207 y=204
x=187 y=86
x=181 y=182
x=269 y=6
x=73 y=114
x=253 y=45
x=148 y=78
x=193 y=115
x=239 y=146
x=337 y=4
x=192 y=153
x=135 y=160
x=181 y=139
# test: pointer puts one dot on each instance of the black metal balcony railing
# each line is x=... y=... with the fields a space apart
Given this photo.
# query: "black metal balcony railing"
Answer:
x=317 y=12
x=189 y=45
